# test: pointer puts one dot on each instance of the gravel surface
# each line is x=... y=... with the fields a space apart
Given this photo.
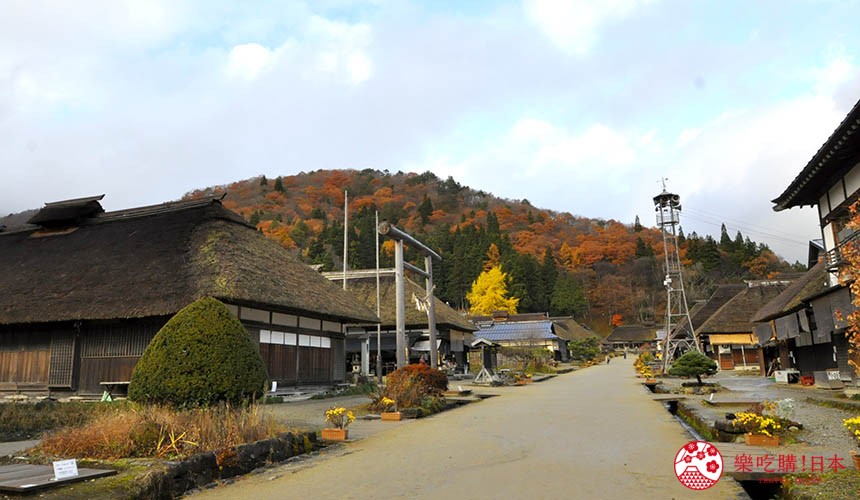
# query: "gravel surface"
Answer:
x=310 y=413
x=822 y=426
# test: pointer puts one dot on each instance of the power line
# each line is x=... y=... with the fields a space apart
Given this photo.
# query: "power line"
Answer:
x=738 y=223
x=750 y=231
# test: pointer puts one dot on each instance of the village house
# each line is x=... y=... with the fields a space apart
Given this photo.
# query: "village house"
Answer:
x=830 y=181
x=529 y=330
x=728 y=335
x=84 y=292
x=569 y=329
x=787 y=330
x=632 y=338
x=454 y=330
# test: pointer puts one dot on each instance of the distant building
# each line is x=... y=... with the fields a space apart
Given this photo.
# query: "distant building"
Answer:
x=632 y=337
x=84 y=292
x=522 y=330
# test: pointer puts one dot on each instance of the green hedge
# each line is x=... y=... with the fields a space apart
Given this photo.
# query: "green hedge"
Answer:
x=202 y=356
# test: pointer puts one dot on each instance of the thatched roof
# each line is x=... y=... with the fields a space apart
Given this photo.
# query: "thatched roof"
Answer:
x=718 y=299
x=793 y=297
x=632 y=333
x=364 y=290
x=570 y=329
x=735 y=316
x=153 y=261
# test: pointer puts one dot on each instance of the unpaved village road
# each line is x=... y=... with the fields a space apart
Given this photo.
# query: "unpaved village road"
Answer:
x=589 y=434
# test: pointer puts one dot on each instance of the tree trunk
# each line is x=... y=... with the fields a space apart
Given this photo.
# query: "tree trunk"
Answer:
x=699 y=379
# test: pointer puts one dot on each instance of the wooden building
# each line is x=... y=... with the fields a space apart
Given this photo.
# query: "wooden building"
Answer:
x=84 y=292
x=538 y=334
x=787 y=329
x=632 y=337
x=728 y=335
x=830 y=181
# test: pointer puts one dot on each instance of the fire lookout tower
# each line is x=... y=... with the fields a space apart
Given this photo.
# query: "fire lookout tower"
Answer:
x=680 y=337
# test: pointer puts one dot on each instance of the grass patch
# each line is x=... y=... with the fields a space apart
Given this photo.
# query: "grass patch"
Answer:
x=839 y=485
x=160 y=432
x=847 y=405
x=19 y=421
x=693 y=420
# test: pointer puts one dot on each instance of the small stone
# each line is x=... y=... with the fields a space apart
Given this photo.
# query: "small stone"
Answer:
x=793 y=428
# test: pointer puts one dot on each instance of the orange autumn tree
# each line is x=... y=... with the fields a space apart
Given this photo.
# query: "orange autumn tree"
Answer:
x=848 y=275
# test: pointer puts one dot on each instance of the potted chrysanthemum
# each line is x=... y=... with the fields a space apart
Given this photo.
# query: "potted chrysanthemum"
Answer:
x=853 y=426
x=389 y=409
x=761 y=430
x=340 y=417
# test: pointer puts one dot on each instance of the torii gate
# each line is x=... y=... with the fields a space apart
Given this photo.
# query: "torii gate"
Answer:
x=387 y=229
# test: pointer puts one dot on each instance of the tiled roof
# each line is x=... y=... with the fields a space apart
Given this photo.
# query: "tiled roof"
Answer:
x=520 y=330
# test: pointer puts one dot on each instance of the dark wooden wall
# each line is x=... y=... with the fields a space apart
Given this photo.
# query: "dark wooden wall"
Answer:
x=109 y=352
x=25 y=357
x=280 y=361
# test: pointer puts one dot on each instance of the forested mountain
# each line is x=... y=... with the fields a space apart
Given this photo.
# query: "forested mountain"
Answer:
x=603 y=272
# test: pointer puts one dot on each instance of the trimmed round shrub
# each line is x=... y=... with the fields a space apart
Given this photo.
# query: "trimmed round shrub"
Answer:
x=202 y=356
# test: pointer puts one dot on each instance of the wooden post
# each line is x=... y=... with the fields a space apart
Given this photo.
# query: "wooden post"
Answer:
x=402 y=356
x=431 y=312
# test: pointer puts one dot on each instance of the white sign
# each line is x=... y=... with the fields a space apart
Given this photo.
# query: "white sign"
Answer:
x=65 y=468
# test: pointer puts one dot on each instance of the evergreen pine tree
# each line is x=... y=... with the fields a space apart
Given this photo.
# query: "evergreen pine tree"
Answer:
x=425 y=209
x=279 y=184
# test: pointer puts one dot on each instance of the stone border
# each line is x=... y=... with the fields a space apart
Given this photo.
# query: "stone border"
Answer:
x=173 y=479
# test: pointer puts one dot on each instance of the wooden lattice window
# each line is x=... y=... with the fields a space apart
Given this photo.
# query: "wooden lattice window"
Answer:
x=62 y=359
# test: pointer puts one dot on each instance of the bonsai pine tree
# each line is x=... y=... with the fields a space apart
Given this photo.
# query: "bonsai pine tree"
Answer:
x=202 y=356
x=693 y=364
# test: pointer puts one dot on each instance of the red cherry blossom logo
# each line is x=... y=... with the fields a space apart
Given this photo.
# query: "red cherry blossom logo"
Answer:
x=698 y=465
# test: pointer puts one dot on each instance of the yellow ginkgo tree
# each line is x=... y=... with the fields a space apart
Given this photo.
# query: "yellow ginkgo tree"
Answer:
x=490 y=293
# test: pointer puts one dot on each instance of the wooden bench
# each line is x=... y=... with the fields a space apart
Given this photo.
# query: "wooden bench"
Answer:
x=110 y=387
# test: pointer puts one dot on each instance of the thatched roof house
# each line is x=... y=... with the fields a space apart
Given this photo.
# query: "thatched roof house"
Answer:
x=795 y=296
x=568 y=328
x=108 y=281
x=730 y=333
x=802 y=338
x=631 y=336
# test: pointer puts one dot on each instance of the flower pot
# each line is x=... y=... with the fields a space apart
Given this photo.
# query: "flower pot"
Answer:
x=856 y=458
x=335 y=434
x=392 y=416
x=760 y=440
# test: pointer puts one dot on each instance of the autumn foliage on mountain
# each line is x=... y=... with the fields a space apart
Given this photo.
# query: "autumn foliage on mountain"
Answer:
x=602 y=272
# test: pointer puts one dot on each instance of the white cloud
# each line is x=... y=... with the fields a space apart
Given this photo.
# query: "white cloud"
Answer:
x=341 y=48
x=573 y=25
x=248 y=60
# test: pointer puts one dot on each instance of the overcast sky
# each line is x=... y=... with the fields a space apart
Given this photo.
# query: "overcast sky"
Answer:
x=577 y=106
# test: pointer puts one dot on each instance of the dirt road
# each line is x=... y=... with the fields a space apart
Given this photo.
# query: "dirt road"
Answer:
x=593 y=433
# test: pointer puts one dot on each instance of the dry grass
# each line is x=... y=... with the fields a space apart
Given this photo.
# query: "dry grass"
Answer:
x=154 y=431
